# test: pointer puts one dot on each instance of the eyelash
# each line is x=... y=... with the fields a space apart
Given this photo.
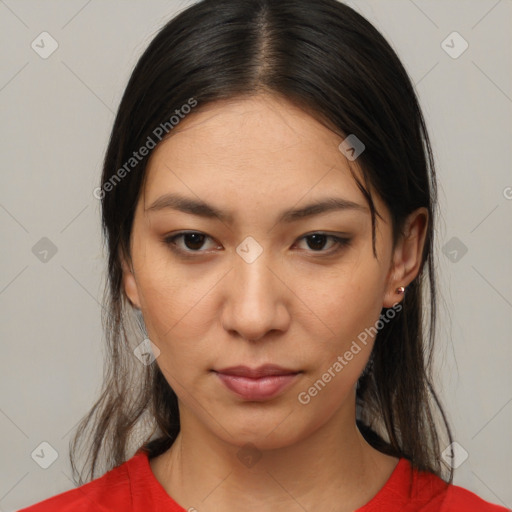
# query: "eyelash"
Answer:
x=340 y=243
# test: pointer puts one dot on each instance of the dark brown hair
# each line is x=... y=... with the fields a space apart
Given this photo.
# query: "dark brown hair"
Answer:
x=326 y=58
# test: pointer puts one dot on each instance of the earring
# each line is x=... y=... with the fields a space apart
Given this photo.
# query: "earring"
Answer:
x=400 y=290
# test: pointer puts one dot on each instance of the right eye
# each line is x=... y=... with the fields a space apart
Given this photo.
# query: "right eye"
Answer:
x=192 y=241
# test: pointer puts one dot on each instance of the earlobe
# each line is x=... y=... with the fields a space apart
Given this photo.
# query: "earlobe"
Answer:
x=130 y=285
x=407 y=257
x=395 y=292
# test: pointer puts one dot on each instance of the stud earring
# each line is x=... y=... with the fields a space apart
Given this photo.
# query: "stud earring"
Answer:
x=400 y=290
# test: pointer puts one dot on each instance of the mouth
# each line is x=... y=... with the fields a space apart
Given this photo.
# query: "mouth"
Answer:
x=257 y=384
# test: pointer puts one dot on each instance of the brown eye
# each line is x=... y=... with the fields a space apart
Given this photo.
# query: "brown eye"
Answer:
x=316 y=242
x=192 y=241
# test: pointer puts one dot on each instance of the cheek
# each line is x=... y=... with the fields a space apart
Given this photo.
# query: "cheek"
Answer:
x=178 y=312
x=347 y=301
x=349 y=304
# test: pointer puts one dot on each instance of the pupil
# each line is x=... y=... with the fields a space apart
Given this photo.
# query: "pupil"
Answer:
x=194 y=240
x=318 y=241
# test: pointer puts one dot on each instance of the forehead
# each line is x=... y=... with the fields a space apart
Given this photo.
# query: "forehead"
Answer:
x=259 y=149
x=262 y=124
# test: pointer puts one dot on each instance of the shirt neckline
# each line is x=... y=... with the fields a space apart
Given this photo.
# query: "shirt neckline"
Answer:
x=146 y=487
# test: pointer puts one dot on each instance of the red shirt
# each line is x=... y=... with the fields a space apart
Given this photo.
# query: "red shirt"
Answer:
x=132 y=487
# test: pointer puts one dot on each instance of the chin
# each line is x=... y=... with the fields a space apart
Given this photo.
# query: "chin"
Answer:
x=265 y=430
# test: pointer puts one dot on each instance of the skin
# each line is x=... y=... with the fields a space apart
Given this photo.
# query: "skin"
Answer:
x=300 y=305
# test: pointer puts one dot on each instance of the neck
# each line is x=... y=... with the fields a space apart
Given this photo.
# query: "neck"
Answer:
x=333 y=468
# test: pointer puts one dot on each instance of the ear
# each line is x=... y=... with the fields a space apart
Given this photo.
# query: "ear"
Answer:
x=129 y=283
x=407 y=255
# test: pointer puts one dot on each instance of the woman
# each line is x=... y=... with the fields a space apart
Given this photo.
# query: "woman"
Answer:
x=268 y=201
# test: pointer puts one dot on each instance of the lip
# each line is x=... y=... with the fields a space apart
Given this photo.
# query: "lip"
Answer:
x=257 y=384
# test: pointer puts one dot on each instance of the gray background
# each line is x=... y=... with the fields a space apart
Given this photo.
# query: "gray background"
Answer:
x=56 y=118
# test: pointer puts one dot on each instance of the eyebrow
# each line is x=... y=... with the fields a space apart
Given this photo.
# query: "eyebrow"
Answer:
x=202 y=209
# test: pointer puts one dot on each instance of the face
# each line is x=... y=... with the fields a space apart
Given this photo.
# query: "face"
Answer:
x=237 y=269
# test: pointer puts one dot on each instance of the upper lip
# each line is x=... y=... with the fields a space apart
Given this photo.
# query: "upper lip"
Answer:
x=254 y=373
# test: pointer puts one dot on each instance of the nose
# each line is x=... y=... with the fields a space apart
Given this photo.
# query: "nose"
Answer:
x=257 y=300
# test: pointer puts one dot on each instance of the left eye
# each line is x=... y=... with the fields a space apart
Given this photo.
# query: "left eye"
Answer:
x=194 y=241
x=317 y=242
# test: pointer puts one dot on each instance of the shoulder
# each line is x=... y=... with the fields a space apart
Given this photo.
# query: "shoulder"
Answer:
x=439 y=496
x=110 y=492
x=459 y=499
x=412 y=490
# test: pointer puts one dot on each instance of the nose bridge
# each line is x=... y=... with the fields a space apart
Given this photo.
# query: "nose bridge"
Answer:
x=255 y=303
x=254 y=280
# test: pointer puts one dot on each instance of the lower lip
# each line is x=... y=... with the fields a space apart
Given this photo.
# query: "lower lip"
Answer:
x=262 y=388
